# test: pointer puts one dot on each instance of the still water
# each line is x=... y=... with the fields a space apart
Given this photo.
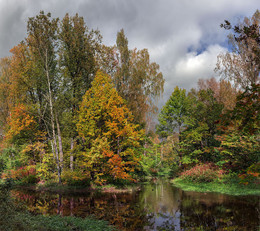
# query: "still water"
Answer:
x=157 y=206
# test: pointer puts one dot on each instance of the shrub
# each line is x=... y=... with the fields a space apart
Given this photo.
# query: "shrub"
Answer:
x=202 y=173
x=251 y=176
x=10 y=156
x=47 y=169
x=2 y=164
x=25 y=175
x=231 y=178
x=75 y=178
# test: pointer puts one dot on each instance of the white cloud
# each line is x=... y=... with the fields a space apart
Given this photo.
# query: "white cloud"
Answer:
x=175 y=32
x=194 y=66
x=186 y=72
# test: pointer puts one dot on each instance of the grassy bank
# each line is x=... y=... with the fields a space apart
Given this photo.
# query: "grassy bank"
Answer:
x=27 y=222
x=230 y=188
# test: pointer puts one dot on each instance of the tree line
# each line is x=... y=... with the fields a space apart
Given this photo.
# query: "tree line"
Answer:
x=219 y=121
x=75 y=110
x=60 y=111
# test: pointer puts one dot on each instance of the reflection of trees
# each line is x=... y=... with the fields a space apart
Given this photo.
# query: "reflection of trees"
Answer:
x=160 y=198
x=216 y=212
x=36 y=202
x=157 y=207
x=161 y=203
x=119 y=209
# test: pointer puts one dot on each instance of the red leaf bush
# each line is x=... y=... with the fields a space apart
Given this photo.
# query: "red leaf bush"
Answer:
x=203 y=173
x=26 y=174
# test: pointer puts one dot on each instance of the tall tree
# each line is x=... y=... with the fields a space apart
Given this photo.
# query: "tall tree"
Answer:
x=240 y=126
x=137 y=80
x=122 y=76
x=198 y=139
x=77 y=52
x=27 y=85
x=5 y=101
x=242 y=65
x=173 y=117
x=21 y=86
x=42 y=40
x=78 y=46
x=146 y=86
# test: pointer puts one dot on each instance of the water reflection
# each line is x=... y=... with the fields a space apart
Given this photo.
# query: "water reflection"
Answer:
x=158 y=206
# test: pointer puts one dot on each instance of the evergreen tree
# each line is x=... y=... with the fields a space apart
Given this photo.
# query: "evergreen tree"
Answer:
x=174 y=113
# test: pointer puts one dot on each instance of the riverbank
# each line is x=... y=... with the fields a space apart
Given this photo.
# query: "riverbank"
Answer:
x=234 y=189
x=141 y=210
x=64 y=188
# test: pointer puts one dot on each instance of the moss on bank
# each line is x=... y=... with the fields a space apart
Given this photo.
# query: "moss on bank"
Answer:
x=235 y=189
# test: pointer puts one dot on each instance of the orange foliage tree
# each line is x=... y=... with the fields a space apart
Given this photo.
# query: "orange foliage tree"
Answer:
x=106 y=126
x=22 y=127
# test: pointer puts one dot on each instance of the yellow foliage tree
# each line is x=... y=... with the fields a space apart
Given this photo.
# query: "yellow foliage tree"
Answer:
x=110 y=136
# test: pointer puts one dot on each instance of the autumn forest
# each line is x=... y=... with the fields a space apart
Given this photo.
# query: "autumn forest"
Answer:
x=75 y=112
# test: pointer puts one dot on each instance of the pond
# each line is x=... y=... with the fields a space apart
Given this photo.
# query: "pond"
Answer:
x=156 y=206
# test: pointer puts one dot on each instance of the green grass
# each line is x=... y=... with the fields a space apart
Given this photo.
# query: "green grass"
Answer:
x=58 y=223
x=26 y=222
x=232 y=188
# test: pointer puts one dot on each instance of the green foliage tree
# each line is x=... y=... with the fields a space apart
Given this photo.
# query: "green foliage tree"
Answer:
x=77 y=62
x=240 y=126
x=198 y=139
x=78 y=46
x=174 y=117
x=42 y=40
x=239 y=148
x=238 y=151
x=174 y=113
x=122 y=76
x=4 y=92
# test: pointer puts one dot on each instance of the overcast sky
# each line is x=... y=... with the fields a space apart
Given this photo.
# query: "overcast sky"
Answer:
x=182 y=36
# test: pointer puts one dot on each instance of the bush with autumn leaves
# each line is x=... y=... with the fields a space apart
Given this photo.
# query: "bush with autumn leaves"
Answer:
x=200 y=173
x=25 y=175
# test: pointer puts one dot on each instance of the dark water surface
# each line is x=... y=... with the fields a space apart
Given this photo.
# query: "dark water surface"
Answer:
x=157 y=206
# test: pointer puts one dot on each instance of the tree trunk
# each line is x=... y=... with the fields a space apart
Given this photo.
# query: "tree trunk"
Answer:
x=145 y=146
x=71 y=154
x=179 y=140
x=162 y=153
x=60 y=143
x=52 y=119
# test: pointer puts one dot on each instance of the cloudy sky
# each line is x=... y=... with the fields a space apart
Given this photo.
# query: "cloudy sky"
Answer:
x=182 y=36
